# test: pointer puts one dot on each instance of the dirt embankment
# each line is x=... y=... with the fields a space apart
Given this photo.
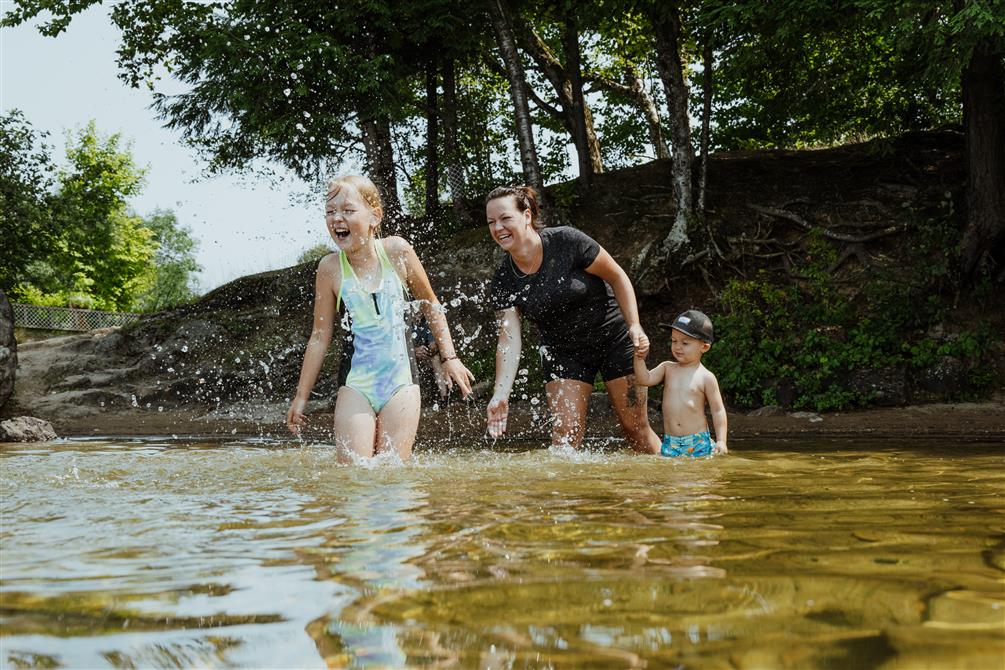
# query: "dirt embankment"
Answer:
x=229 y=362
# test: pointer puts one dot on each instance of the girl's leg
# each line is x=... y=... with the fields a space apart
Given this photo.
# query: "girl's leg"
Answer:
x=355 y=424
x=568 y=400
x=630 y=403
x=398 y=420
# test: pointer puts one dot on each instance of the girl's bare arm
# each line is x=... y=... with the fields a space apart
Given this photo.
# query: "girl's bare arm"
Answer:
x=407 y=262
x=327 y=283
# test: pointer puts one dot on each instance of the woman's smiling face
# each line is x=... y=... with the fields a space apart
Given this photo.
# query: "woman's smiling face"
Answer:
x=350 y=221
x=507 y=224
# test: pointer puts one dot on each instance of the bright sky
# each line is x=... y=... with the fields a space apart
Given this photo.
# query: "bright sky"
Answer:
x=243 y=225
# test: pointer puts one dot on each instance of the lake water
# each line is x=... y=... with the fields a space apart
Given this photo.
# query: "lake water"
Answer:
x=169 y=553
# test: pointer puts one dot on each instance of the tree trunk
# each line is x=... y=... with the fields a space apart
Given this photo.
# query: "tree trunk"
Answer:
x=648 y=107
x=380 y=164
x=570 y=42
x=8 y=350
x=432 y=141
x=635 y=91
x=517 y=86
x=455 y=171
x=984 y=120
x=706 y=118
x=561 y=81
x=667 y=29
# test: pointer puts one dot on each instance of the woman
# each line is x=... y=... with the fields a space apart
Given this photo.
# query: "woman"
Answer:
x=584 y=307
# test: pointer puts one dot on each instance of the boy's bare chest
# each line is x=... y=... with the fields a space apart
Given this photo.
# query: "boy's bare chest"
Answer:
x=684 y=389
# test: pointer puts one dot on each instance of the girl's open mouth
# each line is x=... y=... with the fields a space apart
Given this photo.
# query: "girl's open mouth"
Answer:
x=342 y=234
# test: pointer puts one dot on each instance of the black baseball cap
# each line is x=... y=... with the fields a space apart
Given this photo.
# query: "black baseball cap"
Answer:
x=695 y=324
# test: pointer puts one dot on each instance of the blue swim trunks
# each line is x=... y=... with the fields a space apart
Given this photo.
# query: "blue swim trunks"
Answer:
x=698 y=444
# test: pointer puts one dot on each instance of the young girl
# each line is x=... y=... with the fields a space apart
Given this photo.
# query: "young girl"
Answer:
x=377 y=406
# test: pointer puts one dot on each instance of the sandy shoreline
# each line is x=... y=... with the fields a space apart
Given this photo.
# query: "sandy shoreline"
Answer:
x=976 y=422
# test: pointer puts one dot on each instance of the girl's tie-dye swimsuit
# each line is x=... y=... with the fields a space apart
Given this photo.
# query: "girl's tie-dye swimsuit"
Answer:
x=376 y=352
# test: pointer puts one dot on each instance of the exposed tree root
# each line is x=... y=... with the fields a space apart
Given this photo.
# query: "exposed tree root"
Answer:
x=830 y=234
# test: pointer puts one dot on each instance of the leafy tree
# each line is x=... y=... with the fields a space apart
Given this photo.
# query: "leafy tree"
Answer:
x=170 y=279
x=104 y=249
x=309 y=85
x=314 y=254
x=80 y=244
x=27 y=232
x=313 y=85
x=793 y=75
x=621 y=66
x=811 y=72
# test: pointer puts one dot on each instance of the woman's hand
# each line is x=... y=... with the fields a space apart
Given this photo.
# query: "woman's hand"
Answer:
x=295 y=417
x=456 y=373
x=639 y=340
x=497 y=413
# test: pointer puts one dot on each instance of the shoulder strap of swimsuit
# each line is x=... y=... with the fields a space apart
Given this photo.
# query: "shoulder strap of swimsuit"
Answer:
x=385 y=262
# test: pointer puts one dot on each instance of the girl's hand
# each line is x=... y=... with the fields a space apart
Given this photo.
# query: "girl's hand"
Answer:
x=497 y=413
x=639 y=340
x=456 y=373
x=295 y=417
x=720 y=448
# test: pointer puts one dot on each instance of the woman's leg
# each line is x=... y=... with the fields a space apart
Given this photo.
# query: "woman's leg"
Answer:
x=398 y=420
x=630 y=403
x=355 y=424
x=568 y=400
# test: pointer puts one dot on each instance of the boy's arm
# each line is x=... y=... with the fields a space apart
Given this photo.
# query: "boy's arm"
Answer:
x=644 y=376
x=718 y=410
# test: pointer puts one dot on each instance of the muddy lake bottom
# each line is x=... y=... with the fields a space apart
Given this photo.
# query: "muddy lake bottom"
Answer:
x=172 y=553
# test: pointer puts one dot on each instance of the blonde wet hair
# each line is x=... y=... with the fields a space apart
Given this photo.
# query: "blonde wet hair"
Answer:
x=366 y=189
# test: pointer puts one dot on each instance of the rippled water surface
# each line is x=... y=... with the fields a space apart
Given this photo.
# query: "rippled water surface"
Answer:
x=171 y=554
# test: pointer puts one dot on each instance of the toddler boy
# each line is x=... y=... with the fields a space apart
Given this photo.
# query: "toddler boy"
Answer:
x=687 y=386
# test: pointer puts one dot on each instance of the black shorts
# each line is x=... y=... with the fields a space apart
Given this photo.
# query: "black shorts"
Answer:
x=611 y=356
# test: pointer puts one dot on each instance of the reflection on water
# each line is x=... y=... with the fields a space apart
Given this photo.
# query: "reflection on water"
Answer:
x=145 y=554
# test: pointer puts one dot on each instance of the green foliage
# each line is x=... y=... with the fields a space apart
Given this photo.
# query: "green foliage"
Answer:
x=797 y=74
x=168 y=281
x=104 y=249
x=314 y=254
x=70 y=235
x=27 y=232
x=814 y=336
x=296 y=83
